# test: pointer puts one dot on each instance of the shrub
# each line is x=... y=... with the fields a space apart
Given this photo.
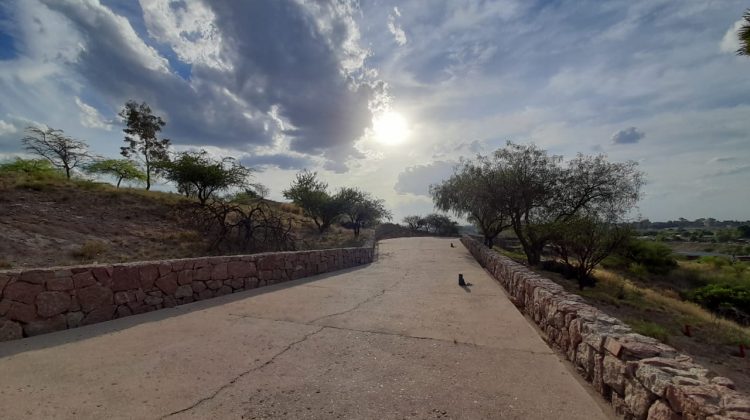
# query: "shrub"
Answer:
x=728 y=299
x=655 y=257
x=90 y=250
x=291 y=208
x=37 y=168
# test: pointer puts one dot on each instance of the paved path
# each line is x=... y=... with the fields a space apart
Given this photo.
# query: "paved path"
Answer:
x=395 y=339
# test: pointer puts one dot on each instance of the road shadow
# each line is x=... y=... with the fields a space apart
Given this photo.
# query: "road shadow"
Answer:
x=467 y=287
x=9 y=348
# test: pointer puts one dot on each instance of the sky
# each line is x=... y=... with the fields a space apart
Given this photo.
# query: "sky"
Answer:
x=387 y=96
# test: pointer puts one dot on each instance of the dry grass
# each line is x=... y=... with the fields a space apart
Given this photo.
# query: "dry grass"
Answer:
x=90 y=250
x=290 y=208
x=725 y=330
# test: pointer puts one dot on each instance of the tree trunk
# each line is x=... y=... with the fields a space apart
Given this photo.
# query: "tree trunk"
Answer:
x=67 y=172
x=118 y=182
x=148 y=175
x=533 y=255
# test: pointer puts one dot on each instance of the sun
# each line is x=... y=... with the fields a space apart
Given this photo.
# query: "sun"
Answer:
x=390 y=128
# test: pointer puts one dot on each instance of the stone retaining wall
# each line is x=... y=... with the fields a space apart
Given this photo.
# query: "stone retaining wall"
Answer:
x=34 y=302
x=641 y=377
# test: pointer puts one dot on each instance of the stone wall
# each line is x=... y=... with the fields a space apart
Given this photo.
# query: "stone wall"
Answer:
x=34 y=302
x=641 y=377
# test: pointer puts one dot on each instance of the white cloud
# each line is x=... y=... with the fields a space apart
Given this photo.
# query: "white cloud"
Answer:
x=7 y=128
x=395 y=29
x=189 y=28
x=730 y=43
x=90 y=14
x=90 y=117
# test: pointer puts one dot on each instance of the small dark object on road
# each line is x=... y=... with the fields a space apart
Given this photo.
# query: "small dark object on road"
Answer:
x=452 y=245
x=461 y=281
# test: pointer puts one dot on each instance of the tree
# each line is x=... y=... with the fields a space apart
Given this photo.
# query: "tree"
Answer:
x=584 y=241
x=60 y=150
x=198 y=174
x=122 y=169
x=311 y=194
x=142 y=128
x=540 y=194
x=470 y=192
x=440 y=224
x=744 y=35
x=744 y=231
x=414 y=222
x=361 y=208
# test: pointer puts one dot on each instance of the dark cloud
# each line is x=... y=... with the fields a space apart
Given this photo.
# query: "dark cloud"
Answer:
x=724 y=159
x=629 y=135
x=417 y=179
x=278 y=160
x=733 y=171
x=286 y=74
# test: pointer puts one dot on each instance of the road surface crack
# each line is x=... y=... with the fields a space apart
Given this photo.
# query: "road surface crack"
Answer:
x=242 y=374
x=357 y=306
x=369 y=299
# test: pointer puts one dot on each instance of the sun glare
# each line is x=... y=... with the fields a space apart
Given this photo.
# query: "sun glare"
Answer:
x=390 y=128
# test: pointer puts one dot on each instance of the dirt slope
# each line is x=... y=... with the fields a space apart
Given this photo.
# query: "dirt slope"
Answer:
x=63 y=225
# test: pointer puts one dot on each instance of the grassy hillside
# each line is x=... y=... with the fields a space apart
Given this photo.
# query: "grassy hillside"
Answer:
x=47 y=220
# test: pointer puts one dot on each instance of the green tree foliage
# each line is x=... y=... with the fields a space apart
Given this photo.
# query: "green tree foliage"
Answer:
x=584 y=241
x=731 y=299
x=440 y=224
x=654 y=257
x=121 y=169
x=540 y=194
x=470 y=192
x=744 y=35
x=141 y=131
x=414 y=222
x=53 y=145
x=358 y=208
x=311 y=194
x=198 y=174
x=726 y=235
x=38 y=168
x=361 y=209
x=434 y=223
x=744 y=231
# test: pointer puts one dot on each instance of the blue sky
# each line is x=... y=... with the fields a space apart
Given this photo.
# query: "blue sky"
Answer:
x=291 y=84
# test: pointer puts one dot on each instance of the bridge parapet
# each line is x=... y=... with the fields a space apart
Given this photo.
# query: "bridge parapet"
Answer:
x=37 y=301
x=641 y=377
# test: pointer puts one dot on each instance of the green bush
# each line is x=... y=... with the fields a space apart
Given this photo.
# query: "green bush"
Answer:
x=718 y=297
x=38 y=168
x=715 y=261
x=639 y=255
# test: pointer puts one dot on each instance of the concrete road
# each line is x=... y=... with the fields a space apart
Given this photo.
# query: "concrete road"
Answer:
x=395 y=339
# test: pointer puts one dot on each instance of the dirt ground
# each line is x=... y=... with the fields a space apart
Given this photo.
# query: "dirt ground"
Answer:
x=65 y=225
